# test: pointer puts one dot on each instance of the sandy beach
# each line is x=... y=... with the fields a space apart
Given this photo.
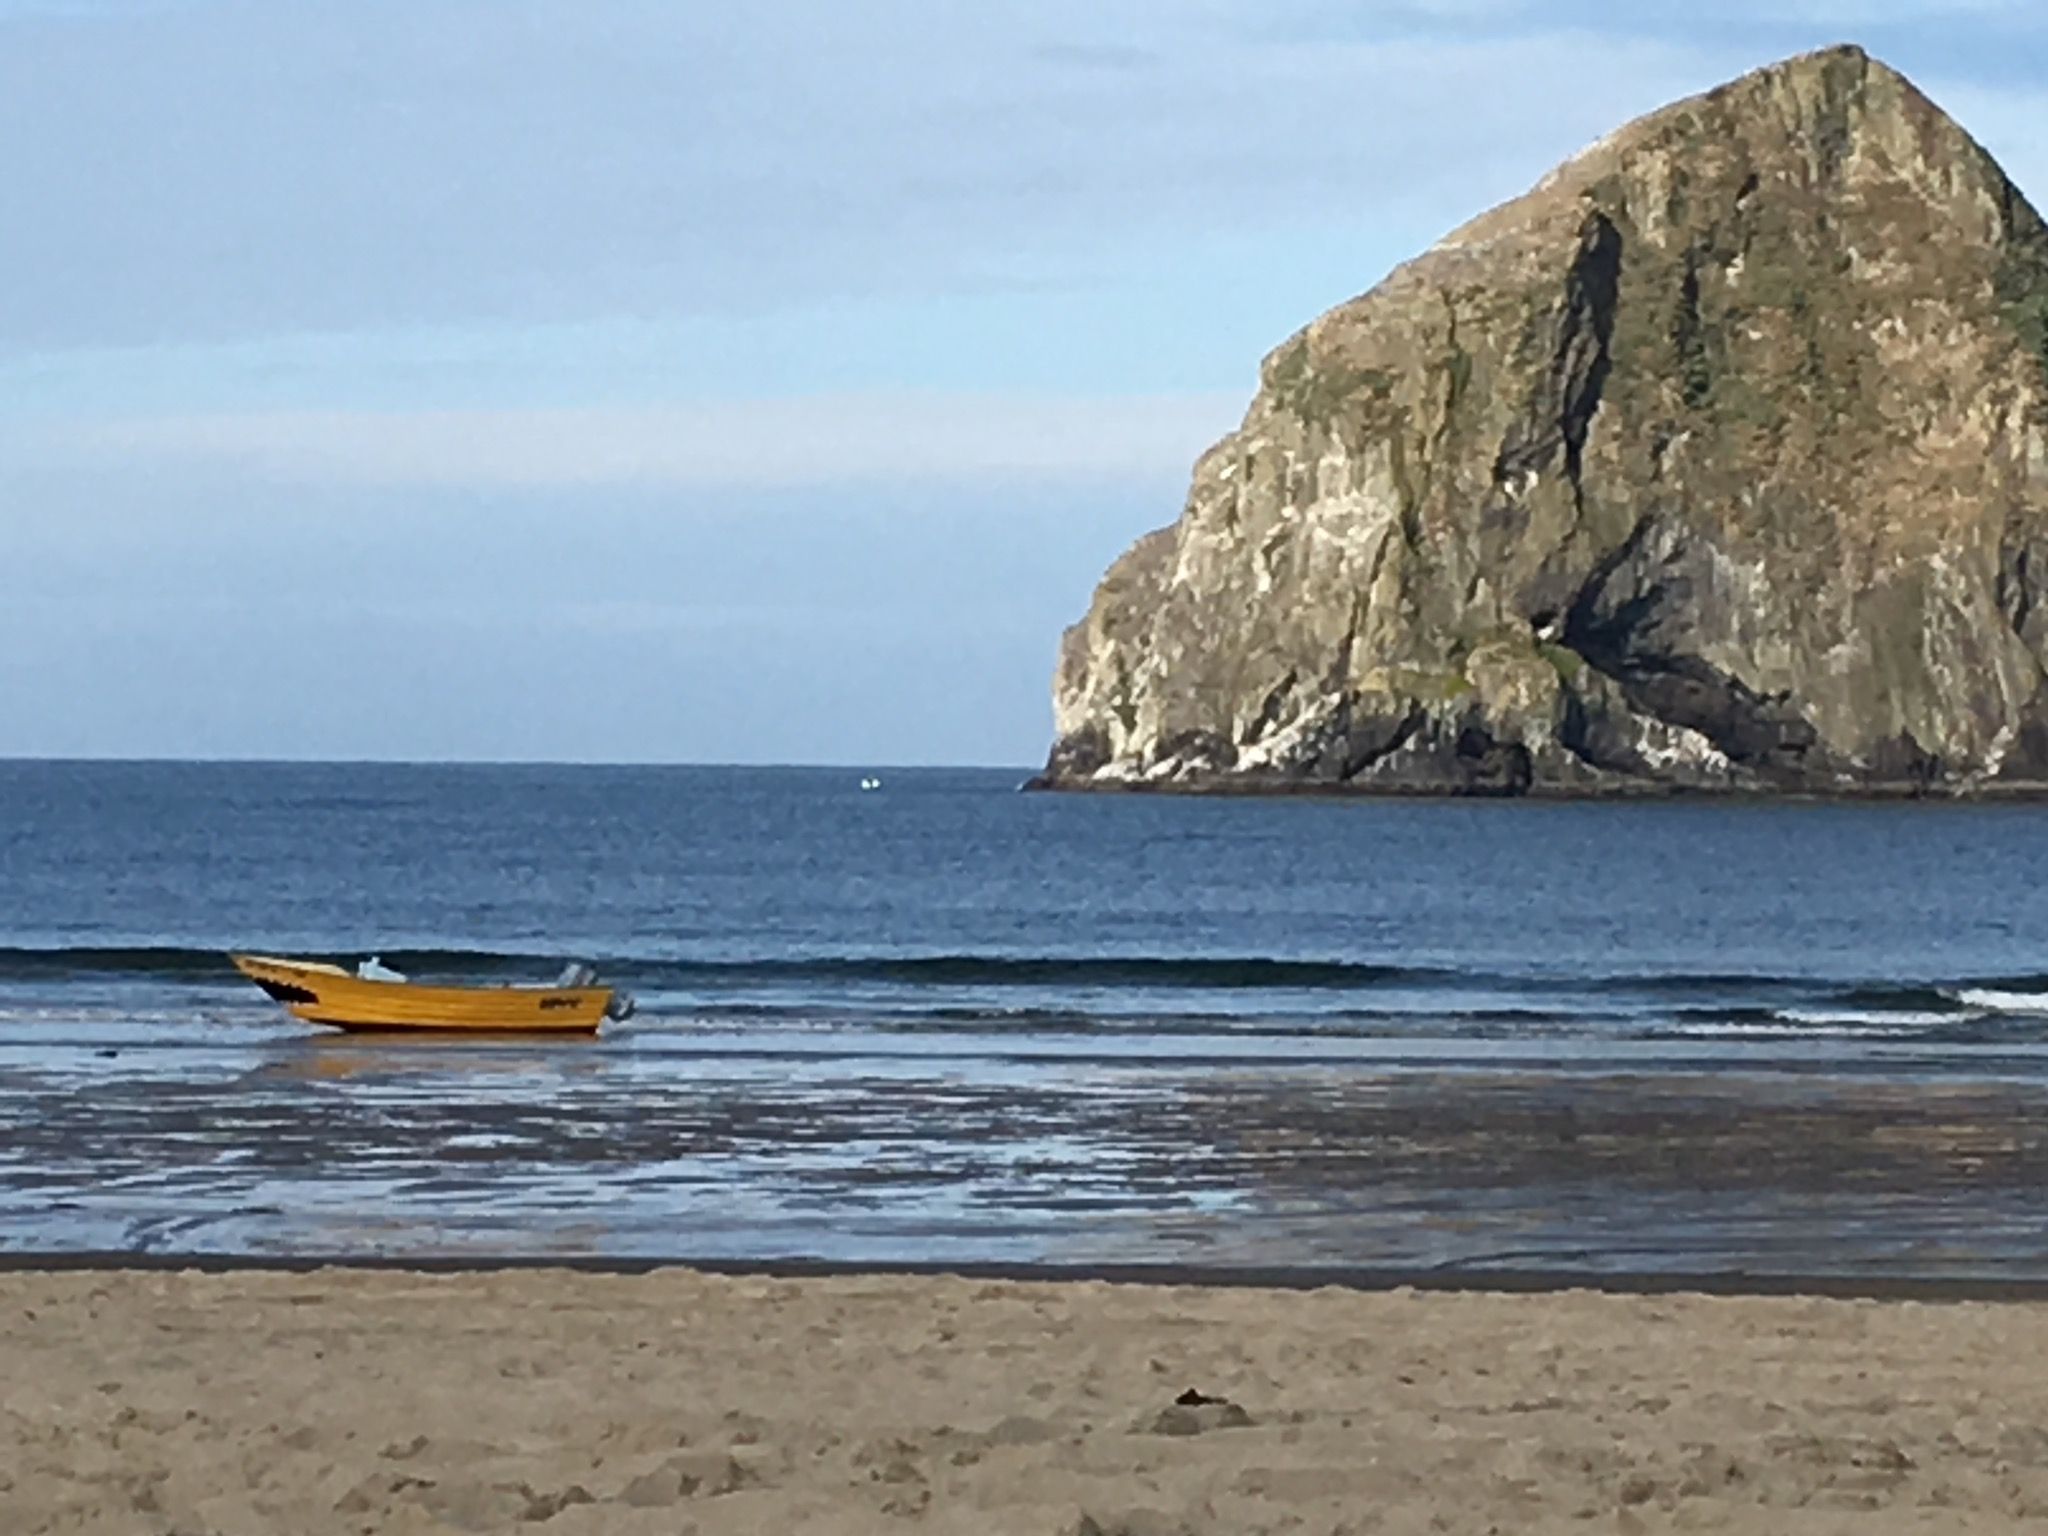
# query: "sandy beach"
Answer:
x=395 y=1401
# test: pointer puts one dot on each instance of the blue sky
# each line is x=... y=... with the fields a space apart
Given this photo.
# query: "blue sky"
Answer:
x=622 y=380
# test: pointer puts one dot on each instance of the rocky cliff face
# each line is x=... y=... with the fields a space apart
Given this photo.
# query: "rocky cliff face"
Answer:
x=1719 y=460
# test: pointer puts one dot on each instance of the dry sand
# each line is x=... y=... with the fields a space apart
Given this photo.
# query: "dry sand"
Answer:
x=557 y=1402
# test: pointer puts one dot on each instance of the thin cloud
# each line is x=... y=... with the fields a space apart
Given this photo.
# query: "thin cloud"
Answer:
x=753 y=444
x=434 y=163
x=1115 y=58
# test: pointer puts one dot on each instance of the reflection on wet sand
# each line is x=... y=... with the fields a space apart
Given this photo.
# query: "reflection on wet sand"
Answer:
x=338 y=1058
x=629 y=1148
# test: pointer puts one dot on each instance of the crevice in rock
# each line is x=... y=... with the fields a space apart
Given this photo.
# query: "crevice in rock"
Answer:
x=1272 y=708
x=1695 y=379
x=1585 y=343
x=1492 y=767
x=1197 y=750
x=1764 y=733
x=1340 y=669
x=2016 y=578
x=1378 y=736
x=1457 y=375
x=1594 y=739
x=1614 y=624
x=1581 y=360
x=1584 y=617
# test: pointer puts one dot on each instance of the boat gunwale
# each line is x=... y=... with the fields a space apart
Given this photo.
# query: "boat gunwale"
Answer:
x=337 y=973
x=314 y=992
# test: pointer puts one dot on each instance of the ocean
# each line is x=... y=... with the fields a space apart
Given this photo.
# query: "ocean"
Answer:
x=940 y=1021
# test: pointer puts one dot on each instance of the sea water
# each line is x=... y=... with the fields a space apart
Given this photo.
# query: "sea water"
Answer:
x=934 y=1019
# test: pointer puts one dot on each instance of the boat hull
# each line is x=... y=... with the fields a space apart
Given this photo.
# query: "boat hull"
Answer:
x=328 y=995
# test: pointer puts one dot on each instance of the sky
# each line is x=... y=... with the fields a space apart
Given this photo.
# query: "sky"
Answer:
x=676 y=381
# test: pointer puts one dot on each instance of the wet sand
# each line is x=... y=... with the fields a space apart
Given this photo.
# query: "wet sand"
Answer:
x=569 y=1402
x=279 y=1148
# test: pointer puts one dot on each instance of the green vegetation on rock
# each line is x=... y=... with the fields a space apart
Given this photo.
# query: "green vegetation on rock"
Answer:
x=1565 y=661
x=2021 y=285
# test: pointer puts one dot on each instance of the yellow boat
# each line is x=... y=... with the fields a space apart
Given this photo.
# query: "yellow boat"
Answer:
x=376 y=999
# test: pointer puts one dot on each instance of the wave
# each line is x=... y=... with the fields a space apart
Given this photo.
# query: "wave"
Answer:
x=1223 y=973
x=1360 y=989
x=1877 y=1020
x=1823 y=1023
x=2002 y=1000
x=1220 y=972
x=1847 y=1015
x=20 y=964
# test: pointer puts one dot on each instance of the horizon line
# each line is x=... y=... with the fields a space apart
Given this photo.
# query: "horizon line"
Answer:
x=196 y=761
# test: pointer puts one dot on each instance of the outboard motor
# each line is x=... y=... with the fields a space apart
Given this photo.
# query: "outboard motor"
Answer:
x=621 y=1006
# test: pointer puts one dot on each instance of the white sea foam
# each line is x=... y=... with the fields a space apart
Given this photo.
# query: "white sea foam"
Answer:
x=1807 y=1023
x=1722 y=1030
x=1995 y=1000
x=1877 y=1019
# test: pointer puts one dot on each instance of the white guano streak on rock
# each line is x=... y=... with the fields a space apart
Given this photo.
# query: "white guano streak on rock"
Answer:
x=1281 y=748
x=1666 y=747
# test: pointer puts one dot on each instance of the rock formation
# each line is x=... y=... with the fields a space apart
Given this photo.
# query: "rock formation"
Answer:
x=1717 y=461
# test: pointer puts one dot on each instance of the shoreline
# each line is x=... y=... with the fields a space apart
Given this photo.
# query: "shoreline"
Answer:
x=1355 y=1280
x=1258 y=787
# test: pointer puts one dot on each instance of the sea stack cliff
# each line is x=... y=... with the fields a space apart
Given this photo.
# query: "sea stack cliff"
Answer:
x=1718 y=461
